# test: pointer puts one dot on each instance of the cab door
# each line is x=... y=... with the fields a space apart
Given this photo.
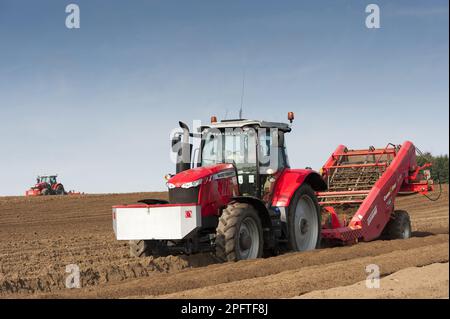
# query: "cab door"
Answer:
x=272 y=160
x=240 y=149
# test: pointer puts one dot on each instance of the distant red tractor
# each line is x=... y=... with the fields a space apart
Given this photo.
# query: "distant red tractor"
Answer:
x=46 y=185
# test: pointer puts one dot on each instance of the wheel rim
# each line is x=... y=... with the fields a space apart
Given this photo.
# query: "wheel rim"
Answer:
x=306 y=224
x=406 y=231
x=248 y=239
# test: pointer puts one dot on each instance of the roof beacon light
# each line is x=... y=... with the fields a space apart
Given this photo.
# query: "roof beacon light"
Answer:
x=213 y=119
x=290 y=116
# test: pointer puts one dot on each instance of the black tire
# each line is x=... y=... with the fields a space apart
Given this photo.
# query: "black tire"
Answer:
x=45 y=192
x=138 y=248
x=398 y=227
x=153 y=201
x=146 y=248
x=306 y=194
x=60 y=190
x=238 y=223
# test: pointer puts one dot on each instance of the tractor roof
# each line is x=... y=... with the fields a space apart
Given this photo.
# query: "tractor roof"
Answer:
x=241 y=123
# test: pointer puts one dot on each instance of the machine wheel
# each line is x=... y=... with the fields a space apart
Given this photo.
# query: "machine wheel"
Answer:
x=60 y=190
x=399 y=226
x=239 y=234
x=138 y=248
x=304 y=220
x=45 y=192
x=146 y=248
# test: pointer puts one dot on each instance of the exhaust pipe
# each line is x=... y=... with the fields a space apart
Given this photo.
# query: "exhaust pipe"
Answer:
x=181 y=145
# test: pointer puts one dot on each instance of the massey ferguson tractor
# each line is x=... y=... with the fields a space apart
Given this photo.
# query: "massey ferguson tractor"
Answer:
x=46 y=185
x=237 y=196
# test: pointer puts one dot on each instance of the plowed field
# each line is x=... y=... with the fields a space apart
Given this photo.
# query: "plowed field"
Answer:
x=40 y=237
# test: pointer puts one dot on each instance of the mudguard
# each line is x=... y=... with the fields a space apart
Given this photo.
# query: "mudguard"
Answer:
x=258 y=205
x=290 y=180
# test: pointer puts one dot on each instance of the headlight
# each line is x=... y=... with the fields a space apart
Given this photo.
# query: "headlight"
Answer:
x=170 y=185
x=192 y=184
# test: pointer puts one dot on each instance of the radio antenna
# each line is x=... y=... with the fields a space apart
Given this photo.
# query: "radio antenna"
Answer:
x=242 y=95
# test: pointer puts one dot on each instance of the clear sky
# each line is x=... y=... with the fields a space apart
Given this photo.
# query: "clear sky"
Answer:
x=96 y=104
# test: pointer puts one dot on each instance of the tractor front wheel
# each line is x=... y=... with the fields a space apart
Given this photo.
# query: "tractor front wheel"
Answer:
x=304 y=220
x=45 y=192
x=239 y=234
x=146 y=248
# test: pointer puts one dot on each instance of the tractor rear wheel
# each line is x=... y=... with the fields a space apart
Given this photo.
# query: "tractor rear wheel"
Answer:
x=60 y=190
x=399 y=226
x=239 y=234
x=304 y=220
x=146 y=248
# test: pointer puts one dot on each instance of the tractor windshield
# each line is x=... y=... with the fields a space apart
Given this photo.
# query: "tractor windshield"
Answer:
x=47 y=179
x=234 y=146
x=245 y=148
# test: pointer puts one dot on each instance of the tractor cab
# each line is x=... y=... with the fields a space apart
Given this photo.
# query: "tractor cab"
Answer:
x=50 y=179
x=255 y=148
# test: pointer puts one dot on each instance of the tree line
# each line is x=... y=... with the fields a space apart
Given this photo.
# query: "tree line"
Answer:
x=439 y=170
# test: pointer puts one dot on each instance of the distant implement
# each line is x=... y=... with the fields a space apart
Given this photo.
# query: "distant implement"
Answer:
x=48 y=185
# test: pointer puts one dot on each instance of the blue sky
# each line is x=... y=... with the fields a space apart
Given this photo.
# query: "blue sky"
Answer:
x=96 y=105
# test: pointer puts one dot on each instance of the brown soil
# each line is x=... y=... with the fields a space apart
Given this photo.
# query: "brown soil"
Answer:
x=415 y=282
x=40 y=236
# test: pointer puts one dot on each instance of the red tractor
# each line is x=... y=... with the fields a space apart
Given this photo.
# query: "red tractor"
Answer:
x=237 y=196
x=46 y=185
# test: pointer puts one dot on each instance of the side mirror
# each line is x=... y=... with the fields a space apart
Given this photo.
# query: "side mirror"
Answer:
x=176 y=140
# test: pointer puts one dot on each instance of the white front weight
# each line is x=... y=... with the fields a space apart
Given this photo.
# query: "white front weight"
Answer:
x=155 y=222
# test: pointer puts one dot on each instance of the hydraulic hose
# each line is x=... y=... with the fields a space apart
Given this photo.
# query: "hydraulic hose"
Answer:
x=440 y=191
